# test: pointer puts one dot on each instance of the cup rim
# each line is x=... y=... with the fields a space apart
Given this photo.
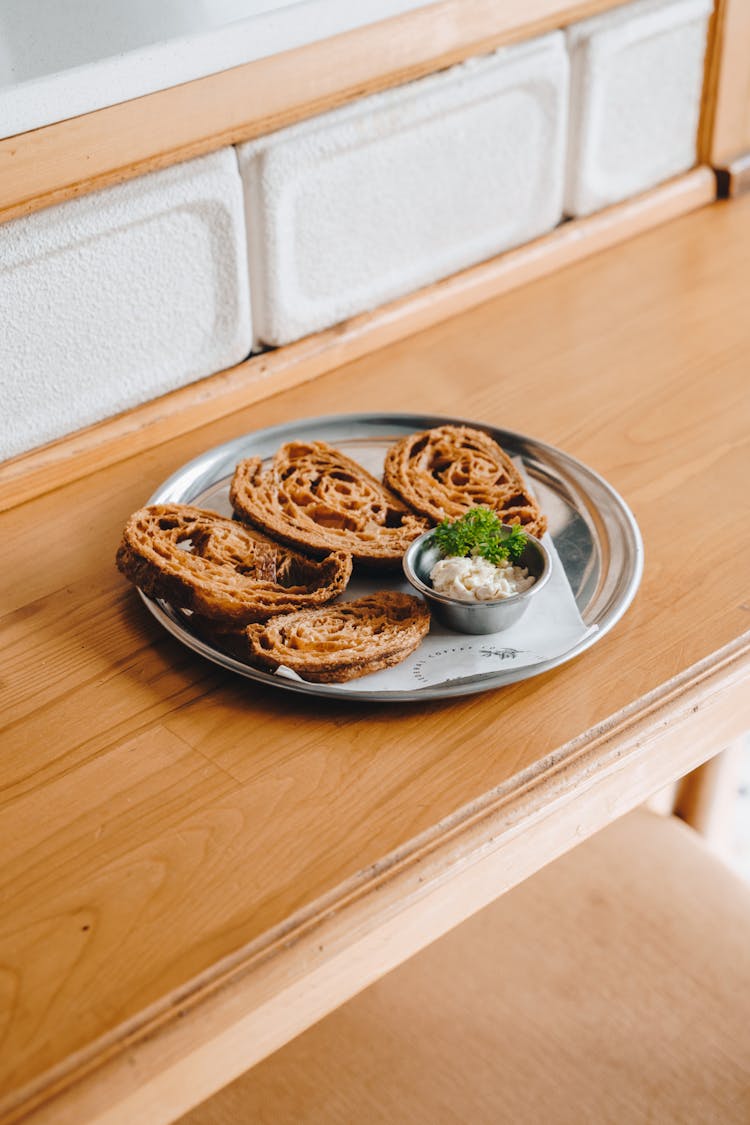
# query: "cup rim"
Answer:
x=429 y=592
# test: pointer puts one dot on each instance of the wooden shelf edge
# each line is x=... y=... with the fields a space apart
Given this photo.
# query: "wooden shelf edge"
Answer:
x=215 y=1029
x=75 y=456
x=69 y=158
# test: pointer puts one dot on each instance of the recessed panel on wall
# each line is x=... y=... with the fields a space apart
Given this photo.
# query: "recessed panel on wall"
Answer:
x=113 y=299
x=636 y=80
x=361 y=205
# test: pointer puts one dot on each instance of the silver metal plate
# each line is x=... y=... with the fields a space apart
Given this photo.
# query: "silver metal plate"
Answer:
x=595 y=534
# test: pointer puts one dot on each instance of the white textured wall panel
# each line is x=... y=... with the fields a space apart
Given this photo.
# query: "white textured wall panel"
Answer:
x=360 y=205
x=636 y=80
x=110 y=300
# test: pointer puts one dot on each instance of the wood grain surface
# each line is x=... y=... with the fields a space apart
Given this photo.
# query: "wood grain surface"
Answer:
x=69 y=158
x=195 y=868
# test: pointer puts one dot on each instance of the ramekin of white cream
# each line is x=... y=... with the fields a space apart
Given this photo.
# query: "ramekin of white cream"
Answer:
x=475 y=579
x=470 y=594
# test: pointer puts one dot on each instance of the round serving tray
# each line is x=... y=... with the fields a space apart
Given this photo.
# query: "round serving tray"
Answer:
x=594 y=532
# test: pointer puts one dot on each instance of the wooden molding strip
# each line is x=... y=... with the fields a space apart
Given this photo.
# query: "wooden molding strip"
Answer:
x=711 y=68
x=67 y=159
x=260 y=998
x=75 y=456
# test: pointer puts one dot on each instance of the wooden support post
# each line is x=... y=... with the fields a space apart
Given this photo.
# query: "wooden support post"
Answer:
x=706 y=796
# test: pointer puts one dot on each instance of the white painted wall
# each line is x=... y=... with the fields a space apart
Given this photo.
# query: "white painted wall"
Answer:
x=115 y=298
x=636 y=85
x=61 y=58
x=369 y=202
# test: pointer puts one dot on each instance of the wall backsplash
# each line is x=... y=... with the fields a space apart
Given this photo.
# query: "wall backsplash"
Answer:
x=369 y=202
x=120 y=296
x=113 y=299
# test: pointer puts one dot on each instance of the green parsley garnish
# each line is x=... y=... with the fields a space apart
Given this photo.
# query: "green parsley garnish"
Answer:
x=480 y=532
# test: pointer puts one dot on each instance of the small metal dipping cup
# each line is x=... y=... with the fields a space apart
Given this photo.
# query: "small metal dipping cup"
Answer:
x=475 y=617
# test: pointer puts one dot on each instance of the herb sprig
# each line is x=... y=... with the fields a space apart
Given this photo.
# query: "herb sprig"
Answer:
x=480 y=532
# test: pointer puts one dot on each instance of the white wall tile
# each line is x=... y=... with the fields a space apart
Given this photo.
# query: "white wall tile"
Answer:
x=110 y=300
x=358 y=206
x=636 y=79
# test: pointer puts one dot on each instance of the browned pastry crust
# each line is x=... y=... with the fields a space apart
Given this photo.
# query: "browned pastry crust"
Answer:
x=343 y=641
x=441 y=473
x=231 y=575
x=315 y=498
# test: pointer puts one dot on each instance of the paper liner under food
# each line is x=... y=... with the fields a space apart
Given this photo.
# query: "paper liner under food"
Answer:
x=550 y=627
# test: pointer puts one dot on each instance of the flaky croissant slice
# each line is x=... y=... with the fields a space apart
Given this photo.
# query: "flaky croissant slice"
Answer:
x=316 y=498
x=222 y=571
x=343 y=641
x=441 y=473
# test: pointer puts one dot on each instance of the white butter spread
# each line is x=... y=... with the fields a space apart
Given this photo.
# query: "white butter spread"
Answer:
x=476 y=580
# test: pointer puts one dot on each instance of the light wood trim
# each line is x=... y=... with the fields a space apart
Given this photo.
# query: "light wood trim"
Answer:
x=74 y=457
x=158 y=1068
x=711 y=64
x=69 y=158
x=726 y=132
x=193 y=817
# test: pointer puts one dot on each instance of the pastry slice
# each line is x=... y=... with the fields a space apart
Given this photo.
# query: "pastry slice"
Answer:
x=441 y=473
x=222 y=571
x=343 y=641
x=314 y=497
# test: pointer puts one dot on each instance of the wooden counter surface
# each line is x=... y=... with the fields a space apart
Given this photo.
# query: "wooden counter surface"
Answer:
x=195 y=868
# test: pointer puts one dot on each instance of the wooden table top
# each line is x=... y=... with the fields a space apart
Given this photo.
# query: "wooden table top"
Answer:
x=194 y=868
